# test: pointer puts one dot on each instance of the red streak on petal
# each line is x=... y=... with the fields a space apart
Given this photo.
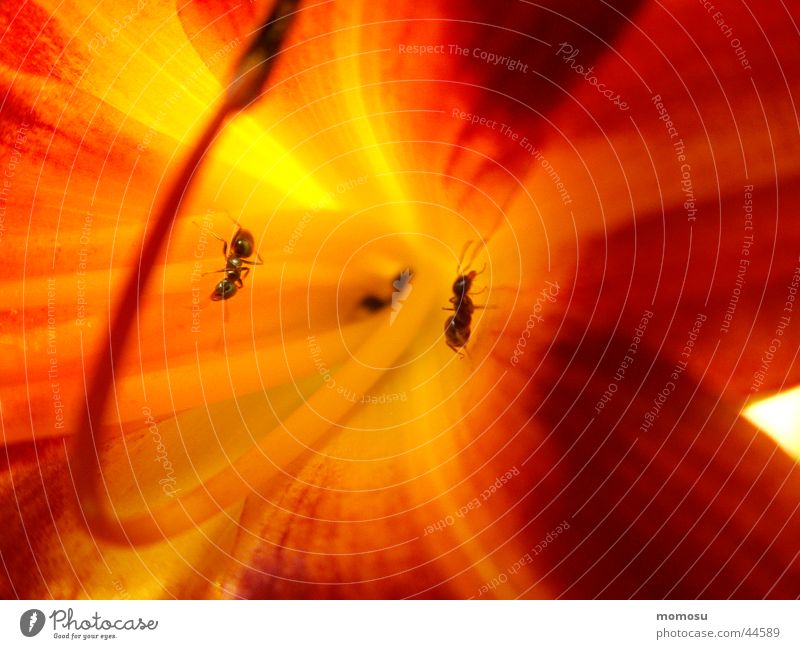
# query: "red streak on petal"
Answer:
x=86 y=454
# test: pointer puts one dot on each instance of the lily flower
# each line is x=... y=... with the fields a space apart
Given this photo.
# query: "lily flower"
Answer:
x=617 y=181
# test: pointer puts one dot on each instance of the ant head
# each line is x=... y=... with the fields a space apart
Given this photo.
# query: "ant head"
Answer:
x=242 y=244
x=224 y=289
x=463 y=283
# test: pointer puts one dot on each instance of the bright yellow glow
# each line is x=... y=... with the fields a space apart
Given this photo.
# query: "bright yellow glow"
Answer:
x=779 y=417
x=171 y=93
x=245 y=146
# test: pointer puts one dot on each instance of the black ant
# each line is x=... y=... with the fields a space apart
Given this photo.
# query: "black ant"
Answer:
x=457 y=328
x=236 y=266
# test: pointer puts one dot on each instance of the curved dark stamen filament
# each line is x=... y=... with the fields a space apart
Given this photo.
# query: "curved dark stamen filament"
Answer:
x=252 y=75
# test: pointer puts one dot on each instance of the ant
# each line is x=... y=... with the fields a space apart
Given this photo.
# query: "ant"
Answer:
x=242 y=245
x=457 y=327
x=402 y=287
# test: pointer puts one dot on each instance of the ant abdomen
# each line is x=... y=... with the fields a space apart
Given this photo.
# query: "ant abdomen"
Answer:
x=223 y=290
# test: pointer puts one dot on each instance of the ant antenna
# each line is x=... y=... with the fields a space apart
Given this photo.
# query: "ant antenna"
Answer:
x=233 y=220
x=462 y=266
x=209 y=230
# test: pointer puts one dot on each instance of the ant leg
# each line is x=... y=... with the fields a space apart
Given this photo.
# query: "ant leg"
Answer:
x=253 y=263
x=244 y=272
x=256 y=263
x=461 y=352
x=211 y=272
